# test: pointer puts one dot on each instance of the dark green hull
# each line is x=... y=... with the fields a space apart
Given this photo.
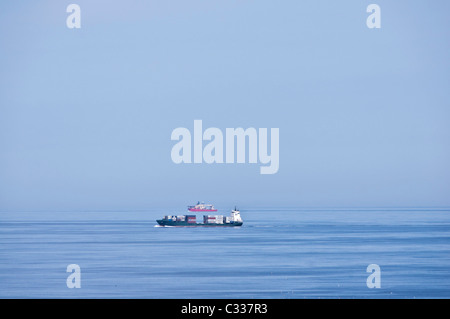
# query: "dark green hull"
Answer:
x=166 y=222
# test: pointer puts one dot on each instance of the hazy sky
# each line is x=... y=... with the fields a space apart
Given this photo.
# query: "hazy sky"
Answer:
x=86 y=114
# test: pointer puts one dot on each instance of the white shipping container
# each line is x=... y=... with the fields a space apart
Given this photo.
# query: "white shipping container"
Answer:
x=213 y=219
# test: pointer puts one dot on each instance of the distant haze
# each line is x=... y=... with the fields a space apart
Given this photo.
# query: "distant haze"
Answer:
x=86 y=115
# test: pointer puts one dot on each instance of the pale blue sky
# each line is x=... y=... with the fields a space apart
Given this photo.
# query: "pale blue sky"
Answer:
x=86 y=115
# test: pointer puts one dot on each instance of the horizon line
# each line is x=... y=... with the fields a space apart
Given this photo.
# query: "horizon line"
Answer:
x=336 y=208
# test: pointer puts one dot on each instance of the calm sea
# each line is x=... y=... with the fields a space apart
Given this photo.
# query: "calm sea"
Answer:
x=289 y=253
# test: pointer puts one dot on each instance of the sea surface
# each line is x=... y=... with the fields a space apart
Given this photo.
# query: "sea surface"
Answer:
x=277 y=253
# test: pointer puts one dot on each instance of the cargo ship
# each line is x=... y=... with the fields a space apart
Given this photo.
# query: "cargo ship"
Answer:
x=202 y=207
x=233 y=220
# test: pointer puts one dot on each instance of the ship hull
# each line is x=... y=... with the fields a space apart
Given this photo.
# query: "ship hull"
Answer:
x=165 y=222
